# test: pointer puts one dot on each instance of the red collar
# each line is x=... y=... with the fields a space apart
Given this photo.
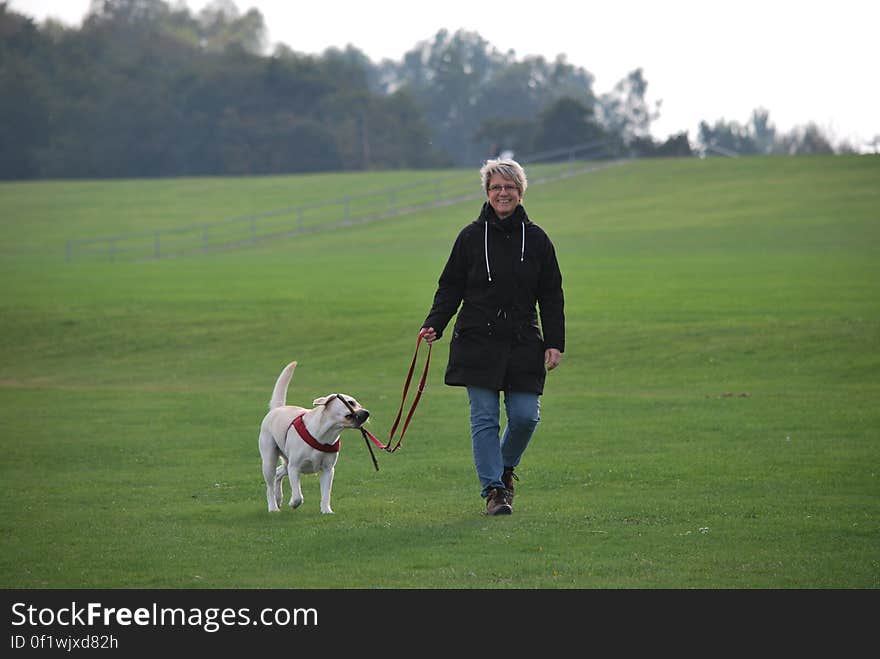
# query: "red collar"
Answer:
x=311 y=441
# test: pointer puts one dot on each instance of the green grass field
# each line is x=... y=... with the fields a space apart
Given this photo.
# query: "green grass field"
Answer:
x=714 y=423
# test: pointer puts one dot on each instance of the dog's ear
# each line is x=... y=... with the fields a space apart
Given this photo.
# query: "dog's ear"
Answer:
x=323 y=400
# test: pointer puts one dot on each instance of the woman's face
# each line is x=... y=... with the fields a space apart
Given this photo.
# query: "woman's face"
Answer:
x=503 y=195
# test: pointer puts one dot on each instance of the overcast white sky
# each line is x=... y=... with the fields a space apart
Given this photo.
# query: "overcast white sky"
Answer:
x=804 y=61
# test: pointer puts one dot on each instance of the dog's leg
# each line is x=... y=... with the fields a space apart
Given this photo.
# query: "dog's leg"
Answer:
x=296 y=495
x=269 y=455
x=280 y=473
x=269 y=477
x=326 y=486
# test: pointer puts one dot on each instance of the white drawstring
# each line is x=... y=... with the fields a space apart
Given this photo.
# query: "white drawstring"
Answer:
x=486 y=248
x=522 y=251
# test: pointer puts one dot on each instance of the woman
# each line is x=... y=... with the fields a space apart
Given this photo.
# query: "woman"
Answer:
x=501 y=266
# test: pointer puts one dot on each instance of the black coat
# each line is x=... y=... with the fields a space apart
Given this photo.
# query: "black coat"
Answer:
x=500 y=270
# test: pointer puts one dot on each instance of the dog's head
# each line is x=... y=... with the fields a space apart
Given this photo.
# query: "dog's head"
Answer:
x=343 y=408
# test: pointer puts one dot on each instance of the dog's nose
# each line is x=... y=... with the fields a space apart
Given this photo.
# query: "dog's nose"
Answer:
x=362 y=415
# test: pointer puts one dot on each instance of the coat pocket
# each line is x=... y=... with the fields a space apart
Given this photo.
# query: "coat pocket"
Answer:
x=471 y=345
x=529 y=333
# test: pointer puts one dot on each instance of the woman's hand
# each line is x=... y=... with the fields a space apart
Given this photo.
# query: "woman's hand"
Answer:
x=552 y=357
x=429 y=334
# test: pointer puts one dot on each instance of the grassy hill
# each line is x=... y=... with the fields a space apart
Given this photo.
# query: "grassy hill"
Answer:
x=713 y=424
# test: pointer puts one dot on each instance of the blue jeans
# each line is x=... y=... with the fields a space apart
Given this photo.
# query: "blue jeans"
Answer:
x=491 y=452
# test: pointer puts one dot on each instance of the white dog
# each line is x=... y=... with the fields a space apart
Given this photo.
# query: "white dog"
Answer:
x=307 y=441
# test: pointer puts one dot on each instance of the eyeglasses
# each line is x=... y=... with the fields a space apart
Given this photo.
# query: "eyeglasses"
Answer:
x=503 y=188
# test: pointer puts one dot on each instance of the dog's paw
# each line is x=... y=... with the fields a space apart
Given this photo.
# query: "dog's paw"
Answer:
x=295 y=503
x=326 y=511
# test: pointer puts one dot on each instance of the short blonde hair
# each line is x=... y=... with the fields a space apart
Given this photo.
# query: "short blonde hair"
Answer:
x=506 y=167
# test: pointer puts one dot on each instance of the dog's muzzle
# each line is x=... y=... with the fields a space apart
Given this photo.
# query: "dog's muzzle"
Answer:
x=359 y=417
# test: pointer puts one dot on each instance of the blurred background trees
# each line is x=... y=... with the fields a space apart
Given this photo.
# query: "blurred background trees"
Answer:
x=148 y=88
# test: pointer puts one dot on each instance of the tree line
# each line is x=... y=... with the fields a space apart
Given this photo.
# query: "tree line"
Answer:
x=148 y=88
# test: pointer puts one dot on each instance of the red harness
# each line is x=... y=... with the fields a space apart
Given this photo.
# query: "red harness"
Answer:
x=303 y=432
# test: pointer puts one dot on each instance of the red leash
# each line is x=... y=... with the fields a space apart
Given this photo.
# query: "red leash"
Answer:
x=415 y=402
x=412 y=409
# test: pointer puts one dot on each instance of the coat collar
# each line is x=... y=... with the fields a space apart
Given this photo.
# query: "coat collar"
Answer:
x=488 y=215
x=517 y=219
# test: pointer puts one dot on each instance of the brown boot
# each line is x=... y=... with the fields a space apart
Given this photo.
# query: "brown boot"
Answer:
x=498 y=502
x=507 y=478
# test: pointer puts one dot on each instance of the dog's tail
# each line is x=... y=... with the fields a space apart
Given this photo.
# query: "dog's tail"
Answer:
x=279 y=394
